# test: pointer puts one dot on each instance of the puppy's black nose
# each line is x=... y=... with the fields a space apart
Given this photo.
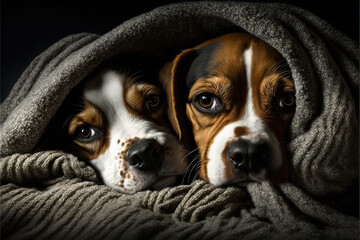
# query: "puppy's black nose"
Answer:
x=145 y=154
x=248 y=156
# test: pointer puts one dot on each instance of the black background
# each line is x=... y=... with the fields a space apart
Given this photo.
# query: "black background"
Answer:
x=30 y=27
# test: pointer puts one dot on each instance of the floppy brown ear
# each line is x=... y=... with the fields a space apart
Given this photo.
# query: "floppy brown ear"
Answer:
x=173 y=78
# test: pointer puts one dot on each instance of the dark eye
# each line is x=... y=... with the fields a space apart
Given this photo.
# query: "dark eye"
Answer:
x=153 y=102
x=86 y=133
x=207 y=103
x=206 y=100
x=287 y=101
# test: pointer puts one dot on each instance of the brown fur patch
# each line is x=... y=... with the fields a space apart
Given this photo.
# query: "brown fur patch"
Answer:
x=135 y=95
x=92 y=116
x=241 y=131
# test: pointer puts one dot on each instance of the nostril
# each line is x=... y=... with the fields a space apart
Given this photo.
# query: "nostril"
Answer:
x=258 y=154
x=156 y=155
x=239 y=162
x=135 y=161
x=236 y=156
x=156 y=151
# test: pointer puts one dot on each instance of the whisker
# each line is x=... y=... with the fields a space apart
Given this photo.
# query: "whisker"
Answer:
x=190 y=167
x=191 y=162
x=191 y=152
x=179 y=148
x=196 y=169
x=187 y=147
x=196 y=166
x=196 y=175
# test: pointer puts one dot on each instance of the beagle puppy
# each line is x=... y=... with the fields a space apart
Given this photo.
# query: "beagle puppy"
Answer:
x=235 y=94
x=122 y=130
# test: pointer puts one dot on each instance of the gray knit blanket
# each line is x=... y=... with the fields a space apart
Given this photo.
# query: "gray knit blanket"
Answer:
x=52 y=195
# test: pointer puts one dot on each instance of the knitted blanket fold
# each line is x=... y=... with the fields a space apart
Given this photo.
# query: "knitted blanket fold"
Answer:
x=49 y=194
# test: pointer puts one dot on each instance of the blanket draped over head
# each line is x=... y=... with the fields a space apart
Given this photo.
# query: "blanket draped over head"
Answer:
x=49 y=194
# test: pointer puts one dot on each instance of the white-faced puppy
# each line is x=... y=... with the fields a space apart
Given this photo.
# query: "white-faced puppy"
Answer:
x=123 y=131
x=237 y=94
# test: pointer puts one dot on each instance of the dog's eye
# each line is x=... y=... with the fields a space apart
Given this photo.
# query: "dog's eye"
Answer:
x=287 y=101
x=86 y=133
x=153 y=102
x=207 y=103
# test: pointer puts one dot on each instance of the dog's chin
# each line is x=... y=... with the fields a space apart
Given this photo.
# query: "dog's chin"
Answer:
x=122 y=190
x=259 y=177
x=251 y=179
x=156 y=185
x=242 y=180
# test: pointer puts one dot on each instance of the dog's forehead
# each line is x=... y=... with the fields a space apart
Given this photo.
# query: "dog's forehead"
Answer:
x=105 y=89
x=223 y=53
x=224 y=56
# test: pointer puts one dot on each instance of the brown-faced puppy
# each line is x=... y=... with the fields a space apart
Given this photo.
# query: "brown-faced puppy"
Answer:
x=236 y=93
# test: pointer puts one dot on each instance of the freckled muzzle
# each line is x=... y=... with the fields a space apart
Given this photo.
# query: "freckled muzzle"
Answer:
x=145 y=155
x=247 y=156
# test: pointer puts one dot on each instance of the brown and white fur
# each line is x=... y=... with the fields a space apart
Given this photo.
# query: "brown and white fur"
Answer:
x=122 y=130
x=239 y=102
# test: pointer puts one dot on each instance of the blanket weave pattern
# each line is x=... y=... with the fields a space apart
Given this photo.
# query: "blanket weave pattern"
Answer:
x=50 y=194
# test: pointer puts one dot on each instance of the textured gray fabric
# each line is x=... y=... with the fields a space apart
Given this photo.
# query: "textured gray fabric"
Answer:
x=52 y=195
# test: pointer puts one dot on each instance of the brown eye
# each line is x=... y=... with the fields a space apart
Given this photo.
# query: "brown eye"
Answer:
x=206 y=100
x=287 y=101
x=207 y=103
x=85 y=133
x=153 y=102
